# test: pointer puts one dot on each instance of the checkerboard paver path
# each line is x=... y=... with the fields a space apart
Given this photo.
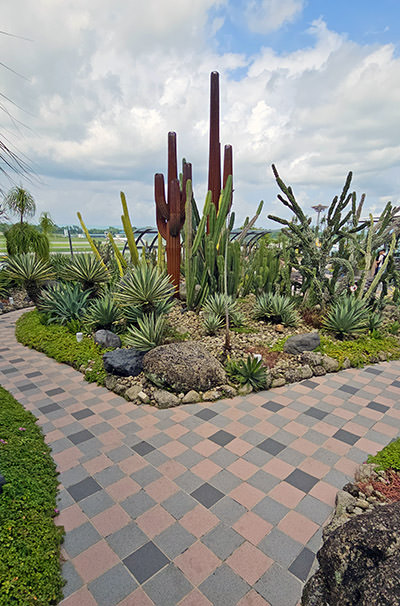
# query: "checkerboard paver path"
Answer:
x=206 y=504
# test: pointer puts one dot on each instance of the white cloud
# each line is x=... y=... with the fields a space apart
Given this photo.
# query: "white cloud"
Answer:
x=264 y=16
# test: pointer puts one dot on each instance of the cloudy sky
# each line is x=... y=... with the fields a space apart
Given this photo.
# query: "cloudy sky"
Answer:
x=310 y=85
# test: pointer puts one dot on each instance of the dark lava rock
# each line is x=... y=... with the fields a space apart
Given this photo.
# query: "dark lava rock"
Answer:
x=182 y=367
x=298 y=343
x=123 y=362
x=359 y=563
x=351 y=489
x=106 y=338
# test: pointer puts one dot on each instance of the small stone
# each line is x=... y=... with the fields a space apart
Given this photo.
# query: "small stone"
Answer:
x=143 y=397
x=119 y=389
x=350 y=508
x=132 y=393
x=211 y=395
x=82 y=368
x=228 y=390
x=358 y=510
x=279 y=382
x=106 y=339
x=362 y=503
x=110 y=382
x=319 y=371
x=191 y=397
x=382 y=356
x=299 y=343
x=346 y=364
x=245 y=389
x=352 y=489
x=165 y=399
x=368 y=490
x=330 y=364
x=279 y=328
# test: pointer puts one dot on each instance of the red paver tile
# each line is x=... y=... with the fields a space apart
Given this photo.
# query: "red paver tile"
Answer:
x=296 y=429
x=359 y=430
x=242 y=469
x=205 y=430
x=267 y=428
x=161 y=489
x=387 y=430
x=173 y=449
x=199 y=521
x=83 y=597
x=71 y=518
x=286 y=494
x=206 y=448
x=279 y=469
x=238 y=446
x=172 y=469
x=324 y=492
x=252 y=527
x=98 y=464
x=197 y=563
x=252 y=599
x=234 y=413
x=206 y=469
x=346 y=466
x=298 y=527
x=132 y=464
x=155 y=521
x=247 y=495
x=176 y=431
x=123 y=489
x=304 y=446
x=337 y=446
x=368 y=446
x=52 y=436
x=371 y=414
x=111 y=520
x=255 y=399
x=343 y=413
x=94 y=561
x=314 y=468
x=147 y=432
x=195 y=598
x=249 y=562
x=137 y=598
x=325 y=428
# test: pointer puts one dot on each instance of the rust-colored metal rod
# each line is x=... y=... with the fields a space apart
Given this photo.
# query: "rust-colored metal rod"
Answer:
x=214 y=160
x=228 y=167
x=172 y=158
x=173 y=241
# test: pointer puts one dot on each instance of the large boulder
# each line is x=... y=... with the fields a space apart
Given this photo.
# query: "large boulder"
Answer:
x=359 y=562
x=106 y=338
x=298 y=343
x=123 y=362
x=182 y=367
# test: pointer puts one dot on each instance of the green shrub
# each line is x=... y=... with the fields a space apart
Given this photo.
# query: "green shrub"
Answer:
x=57 y=342
x=388 y=457
x=86 y=269
x=394 y=327
x=149 y=333
x=103 y=313
x=30 y=271
x=375 y=320
x=29 y=540
x=347 y=317
x=247 y=372
x=362 y=351
x=5 y=283
x=63 y=303
x=24 y=238
x=277 y=309
x=145 y=290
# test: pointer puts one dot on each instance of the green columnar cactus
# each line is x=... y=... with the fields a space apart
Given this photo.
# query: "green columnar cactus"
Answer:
x=89 y=239
x=126 y=222
x=122 y=264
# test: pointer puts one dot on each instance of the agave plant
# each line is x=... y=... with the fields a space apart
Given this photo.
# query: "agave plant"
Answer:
x=5 y=282
x=148 y=334
x=347 y=317
x=63 y=303
x=146 y=290
x=87 y=270
x=30 y=271
x=375 y=320
x=134 y=312
x=103 y=313
x=277 y=309
x=249 y=371
x=212 y=322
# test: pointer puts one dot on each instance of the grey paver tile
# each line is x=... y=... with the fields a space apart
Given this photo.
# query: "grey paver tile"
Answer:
x=112 y=586
x=224 y=587
x=127 y=540
x=279 y=587
x=223 y=540
x=280 y=547
x=72 y=578
x=174 y=540
x=79 y=539
x=137 y=504
x=96 y=503
x=179 y=504
x=168 y=587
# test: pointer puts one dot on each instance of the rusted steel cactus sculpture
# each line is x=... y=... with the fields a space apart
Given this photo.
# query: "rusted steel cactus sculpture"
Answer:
x=170 y=212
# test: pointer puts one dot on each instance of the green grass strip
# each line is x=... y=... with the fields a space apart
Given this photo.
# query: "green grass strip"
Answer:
x=29 y=540
x=57 y=342
x=388 y=457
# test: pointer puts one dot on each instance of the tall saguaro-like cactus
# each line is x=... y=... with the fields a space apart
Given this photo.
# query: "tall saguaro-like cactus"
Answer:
x=170 y=211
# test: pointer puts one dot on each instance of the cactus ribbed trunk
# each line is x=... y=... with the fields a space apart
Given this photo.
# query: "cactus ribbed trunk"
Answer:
x=214 y=159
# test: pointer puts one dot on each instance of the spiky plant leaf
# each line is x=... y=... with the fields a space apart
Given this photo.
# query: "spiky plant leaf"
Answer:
x=133 y=313
x=249 y=371
x=212 y=322
x=63 y=303
x=347 y=317
x=148 y=334
x=30 y=271
x=103 y=313
x=216 y=305
x=87 y=270
x=277 y=309
x=147 y=288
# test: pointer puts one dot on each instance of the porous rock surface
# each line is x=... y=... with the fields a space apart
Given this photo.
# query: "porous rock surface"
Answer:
x=123 y=362
x=298 y=343
x=183 y=367
x=359 y=562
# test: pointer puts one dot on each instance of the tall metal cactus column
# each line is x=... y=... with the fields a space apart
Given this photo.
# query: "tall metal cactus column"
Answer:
x=214 y=159
x=170 y=212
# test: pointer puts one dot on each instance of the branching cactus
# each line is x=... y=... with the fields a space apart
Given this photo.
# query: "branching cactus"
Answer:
x=170 y=210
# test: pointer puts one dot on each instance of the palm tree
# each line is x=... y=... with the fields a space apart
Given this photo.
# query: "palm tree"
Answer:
x=46 y=223
x=20 y=202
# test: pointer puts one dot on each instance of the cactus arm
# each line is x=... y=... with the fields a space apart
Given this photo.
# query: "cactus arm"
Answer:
x=368 y=258
x=129 y=231
x=90 y=240
x=250 y=224
x=382 y=270
x=118 y=257
x=200 y=230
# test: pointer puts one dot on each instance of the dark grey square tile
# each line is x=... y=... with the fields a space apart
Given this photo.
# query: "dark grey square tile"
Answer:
x=82 y=414
x=168 y=587
x=346 y=436
x=206 y=414
x=145 y=562
x=221 y=437
x=80 y=436
x=35 y=373
x=27 y=387
x=373 y=371
x=316 y=413
x=143 y=448
x=9 y=371
x=49 y=408
x=349 y=389
x=273 y=406
x=302 y=564
x=271 y=446
x=207 y=495
x=396 y=383
x=310 y=384
x=55 y=391
x=83 y=489
x=16 y=361
x=301 y=480
x=112 y=586
x=377 y=406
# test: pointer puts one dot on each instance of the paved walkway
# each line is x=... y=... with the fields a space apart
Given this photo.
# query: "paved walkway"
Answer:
x=207 y=504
